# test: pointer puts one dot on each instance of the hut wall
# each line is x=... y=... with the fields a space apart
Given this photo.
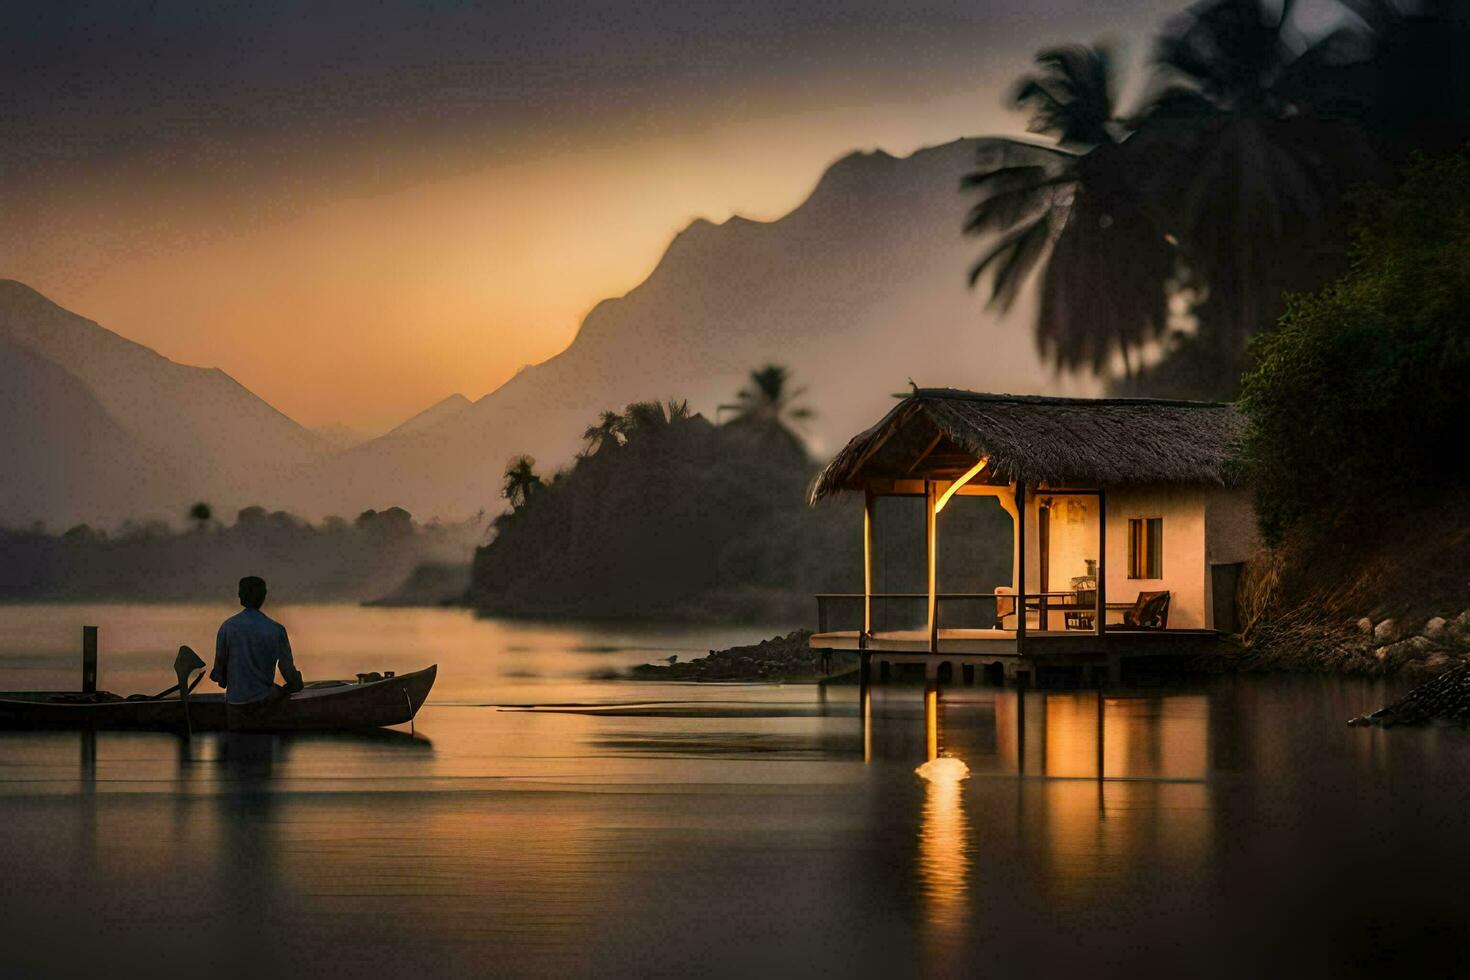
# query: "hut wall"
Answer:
x=1231 y=536
x=1230 y=525
x=1182 y=509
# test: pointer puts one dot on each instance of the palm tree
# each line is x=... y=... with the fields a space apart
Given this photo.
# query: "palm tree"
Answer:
x=1253 y=157
x=1216 y=192
x=1064 y=207
x=521 y=481
x=201 y=514
x=644 y=418
x=1072 y=97
x=770 y=400
x=606 y=432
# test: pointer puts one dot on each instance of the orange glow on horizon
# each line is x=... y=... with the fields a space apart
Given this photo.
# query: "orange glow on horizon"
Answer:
x=367 y=309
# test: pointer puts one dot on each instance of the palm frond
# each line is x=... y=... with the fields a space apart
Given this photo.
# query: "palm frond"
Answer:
x=1072 y=96
x=1010 y=208
x=1003 y=179
x=1011 y=259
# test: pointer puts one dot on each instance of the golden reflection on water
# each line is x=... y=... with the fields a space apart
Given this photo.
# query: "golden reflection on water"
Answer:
x=931 y=724
x=1122 y=783
x=944 y=858
x=1126 y=783
x=867 y=697
x=1077 y=735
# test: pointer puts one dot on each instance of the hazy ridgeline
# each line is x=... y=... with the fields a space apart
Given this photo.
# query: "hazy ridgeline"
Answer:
x=333 y=559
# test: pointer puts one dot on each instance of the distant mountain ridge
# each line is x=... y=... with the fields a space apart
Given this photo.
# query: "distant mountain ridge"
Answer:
x=181 y=433
x=860 y=288
x=857 y=290
x=64 y=458
x=429 y=417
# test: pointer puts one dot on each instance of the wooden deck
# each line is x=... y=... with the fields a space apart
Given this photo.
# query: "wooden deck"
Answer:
x=963 y=648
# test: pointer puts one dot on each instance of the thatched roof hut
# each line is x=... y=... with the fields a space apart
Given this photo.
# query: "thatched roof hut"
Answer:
x=937 y=433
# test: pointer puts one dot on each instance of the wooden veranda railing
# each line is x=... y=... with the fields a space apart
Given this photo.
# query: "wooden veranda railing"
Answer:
x=847 y=608
x=909 y=610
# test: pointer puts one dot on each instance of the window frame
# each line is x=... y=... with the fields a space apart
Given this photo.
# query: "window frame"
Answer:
x=1149 y=532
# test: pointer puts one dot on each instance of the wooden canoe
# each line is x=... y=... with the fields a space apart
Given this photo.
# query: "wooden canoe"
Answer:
x=321 y=707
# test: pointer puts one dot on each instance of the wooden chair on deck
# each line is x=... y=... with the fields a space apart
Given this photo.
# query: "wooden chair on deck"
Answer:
x=1005 y=609
x=1005 y=605
x=1150 y=611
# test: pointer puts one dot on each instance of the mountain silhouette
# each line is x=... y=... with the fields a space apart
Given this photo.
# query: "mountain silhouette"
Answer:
x=856 y=290
x=430 y=417
x=65 y=458
x=196 y=432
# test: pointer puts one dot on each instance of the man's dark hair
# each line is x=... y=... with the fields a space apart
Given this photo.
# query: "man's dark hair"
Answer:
x=252 y=591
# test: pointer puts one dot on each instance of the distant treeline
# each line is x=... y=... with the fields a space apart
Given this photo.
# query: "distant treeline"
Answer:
x=668 y=516
x=332 y=560
x=673 y=518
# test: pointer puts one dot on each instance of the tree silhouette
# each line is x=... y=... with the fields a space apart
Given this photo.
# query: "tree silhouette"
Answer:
x=647 y=418
x=1217 y=196
x=1254 y=159
x=768 y=399
x=521 y=481
x=201 y=514
x=1066 y=207
x=606 y=432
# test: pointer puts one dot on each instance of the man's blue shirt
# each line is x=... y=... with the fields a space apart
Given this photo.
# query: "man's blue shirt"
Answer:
x=246 y=651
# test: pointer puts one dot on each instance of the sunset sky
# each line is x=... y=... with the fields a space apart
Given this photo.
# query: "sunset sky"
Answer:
x=358 y=209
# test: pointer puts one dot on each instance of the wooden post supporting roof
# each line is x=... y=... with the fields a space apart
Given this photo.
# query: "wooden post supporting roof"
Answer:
x=1102 y=561
x=868 y=502
x=931 y=532
x=1020 y=566
x=89 y=659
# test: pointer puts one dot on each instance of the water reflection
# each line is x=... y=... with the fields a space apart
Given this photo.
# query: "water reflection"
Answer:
x=1102 y=785
x=1055 y=735
x=731 y=830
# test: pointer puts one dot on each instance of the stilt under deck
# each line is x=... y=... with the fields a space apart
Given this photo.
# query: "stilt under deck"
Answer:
x=970 y=655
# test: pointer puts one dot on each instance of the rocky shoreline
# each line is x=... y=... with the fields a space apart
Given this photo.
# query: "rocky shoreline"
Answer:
x=780 y=658
x=1386 y=647
x=1446 y=698
x=1436 y=646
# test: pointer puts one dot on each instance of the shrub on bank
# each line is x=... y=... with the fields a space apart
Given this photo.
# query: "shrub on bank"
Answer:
x=1357 y=404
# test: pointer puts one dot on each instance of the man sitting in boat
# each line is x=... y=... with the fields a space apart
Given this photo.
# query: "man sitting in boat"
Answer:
x=248 y=649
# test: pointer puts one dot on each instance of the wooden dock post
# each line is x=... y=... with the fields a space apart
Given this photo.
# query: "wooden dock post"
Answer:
x=931 y=551
x=89 y=660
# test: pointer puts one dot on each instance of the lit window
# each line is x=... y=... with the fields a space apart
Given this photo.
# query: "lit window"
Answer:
x=1146 y=547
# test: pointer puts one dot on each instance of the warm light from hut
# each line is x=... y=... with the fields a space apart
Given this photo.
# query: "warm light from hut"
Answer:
x=970 y=474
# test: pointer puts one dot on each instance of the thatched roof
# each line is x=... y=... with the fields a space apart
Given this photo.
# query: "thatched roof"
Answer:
x=939 y=432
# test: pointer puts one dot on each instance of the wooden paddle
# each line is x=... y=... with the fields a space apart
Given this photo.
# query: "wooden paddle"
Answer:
x=185 y=664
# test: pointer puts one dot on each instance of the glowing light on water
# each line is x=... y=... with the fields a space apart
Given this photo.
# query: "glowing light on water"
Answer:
x=944 y=860
x=945 y=769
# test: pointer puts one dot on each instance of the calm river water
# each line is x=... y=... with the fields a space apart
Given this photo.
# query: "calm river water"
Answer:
x=546 y=820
